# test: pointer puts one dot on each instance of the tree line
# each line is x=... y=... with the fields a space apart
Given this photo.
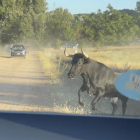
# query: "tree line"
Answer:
x=29 y=21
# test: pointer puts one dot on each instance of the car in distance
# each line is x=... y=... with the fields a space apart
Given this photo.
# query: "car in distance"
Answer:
x=18 y=50
x=72 y=45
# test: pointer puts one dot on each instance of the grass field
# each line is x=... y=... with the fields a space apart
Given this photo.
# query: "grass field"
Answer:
x=118 y=58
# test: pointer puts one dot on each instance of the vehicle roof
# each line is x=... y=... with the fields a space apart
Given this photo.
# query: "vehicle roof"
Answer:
x=17 y=45
x=71 y=43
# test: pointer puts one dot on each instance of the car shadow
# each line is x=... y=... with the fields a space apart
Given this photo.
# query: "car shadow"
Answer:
x=5 y=56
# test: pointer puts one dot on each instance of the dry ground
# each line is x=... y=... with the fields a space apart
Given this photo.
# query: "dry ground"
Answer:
x=25 y=87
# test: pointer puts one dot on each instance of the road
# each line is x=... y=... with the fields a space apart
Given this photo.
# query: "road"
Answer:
x=21 y=82
x=24 y=87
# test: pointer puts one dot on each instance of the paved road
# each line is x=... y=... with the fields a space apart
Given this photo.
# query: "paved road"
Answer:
x=24 y=87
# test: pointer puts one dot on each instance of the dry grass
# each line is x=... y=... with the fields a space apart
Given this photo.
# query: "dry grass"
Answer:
x=118 y=58
x=52 y=65
x=57 y=109
x=71 y=110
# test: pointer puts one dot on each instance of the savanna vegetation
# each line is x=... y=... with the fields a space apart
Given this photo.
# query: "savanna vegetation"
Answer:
x=29 y=21
x=116 y=58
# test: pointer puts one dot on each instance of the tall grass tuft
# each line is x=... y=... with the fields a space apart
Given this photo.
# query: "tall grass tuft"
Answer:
x=52 y=65
x=70 y=110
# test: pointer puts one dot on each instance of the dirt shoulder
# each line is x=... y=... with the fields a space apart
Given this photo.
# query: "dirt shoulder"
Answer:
x=20 y=82
x=25 y=87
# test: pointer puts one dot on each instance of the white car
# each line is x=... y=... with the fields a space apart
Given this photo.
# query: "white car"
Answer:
x=71 y=45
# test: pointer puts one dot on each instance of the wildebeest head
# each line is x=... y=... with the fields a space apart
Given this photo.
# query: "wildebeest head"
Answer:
x=78 y=62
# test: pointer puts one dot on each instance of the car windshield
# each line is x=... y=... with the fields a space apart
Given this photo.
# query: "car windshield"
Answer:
x=18 y=47
x=46 y=43
x=70 y=44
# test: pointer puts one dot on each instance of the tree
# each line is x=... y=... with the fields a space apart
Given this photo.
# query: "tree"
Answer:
x=22 y=20
x=28 y=20
x=130 y=12
x=138 y=6
x=10 y=21
x=39 y=6
x=110 y=27
x=59 y=26
x=39 y=23
x=26 y=28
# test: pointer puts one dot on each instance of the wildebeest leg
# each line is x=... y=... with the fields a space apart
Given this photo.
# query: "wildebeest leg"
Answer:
x=95 y=100
x=124 y=104
x=82 y=89
x=114 y=104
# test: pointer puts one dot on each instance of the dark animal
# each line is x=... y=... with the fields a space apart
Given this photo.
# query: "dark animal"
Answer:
x=98 y=80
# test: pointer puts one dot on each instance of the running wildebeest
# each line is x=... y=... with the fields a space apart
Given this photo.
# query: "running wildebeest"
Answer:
x=98 y=80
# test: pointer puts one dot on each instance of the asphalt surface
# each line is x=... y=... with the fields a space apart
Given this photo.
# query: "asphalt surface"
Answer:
x=23 y=84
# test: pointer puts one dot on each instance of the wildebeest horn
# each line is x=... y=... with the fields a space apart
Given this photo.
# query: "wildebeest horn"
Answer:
x=127 y=68
x=86 y=56
x=66 y=54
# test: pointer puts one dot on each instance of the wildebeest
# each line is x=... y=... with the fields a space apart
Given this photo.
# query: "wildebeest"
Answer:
x=98 y=79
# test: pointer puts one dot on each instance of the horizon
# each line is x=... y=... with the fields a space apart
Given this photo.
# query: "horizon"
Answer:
x=88 y=6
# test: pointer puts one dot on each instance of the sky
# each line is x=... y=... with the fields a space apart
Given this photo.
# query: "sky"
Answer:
x=89 y=6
